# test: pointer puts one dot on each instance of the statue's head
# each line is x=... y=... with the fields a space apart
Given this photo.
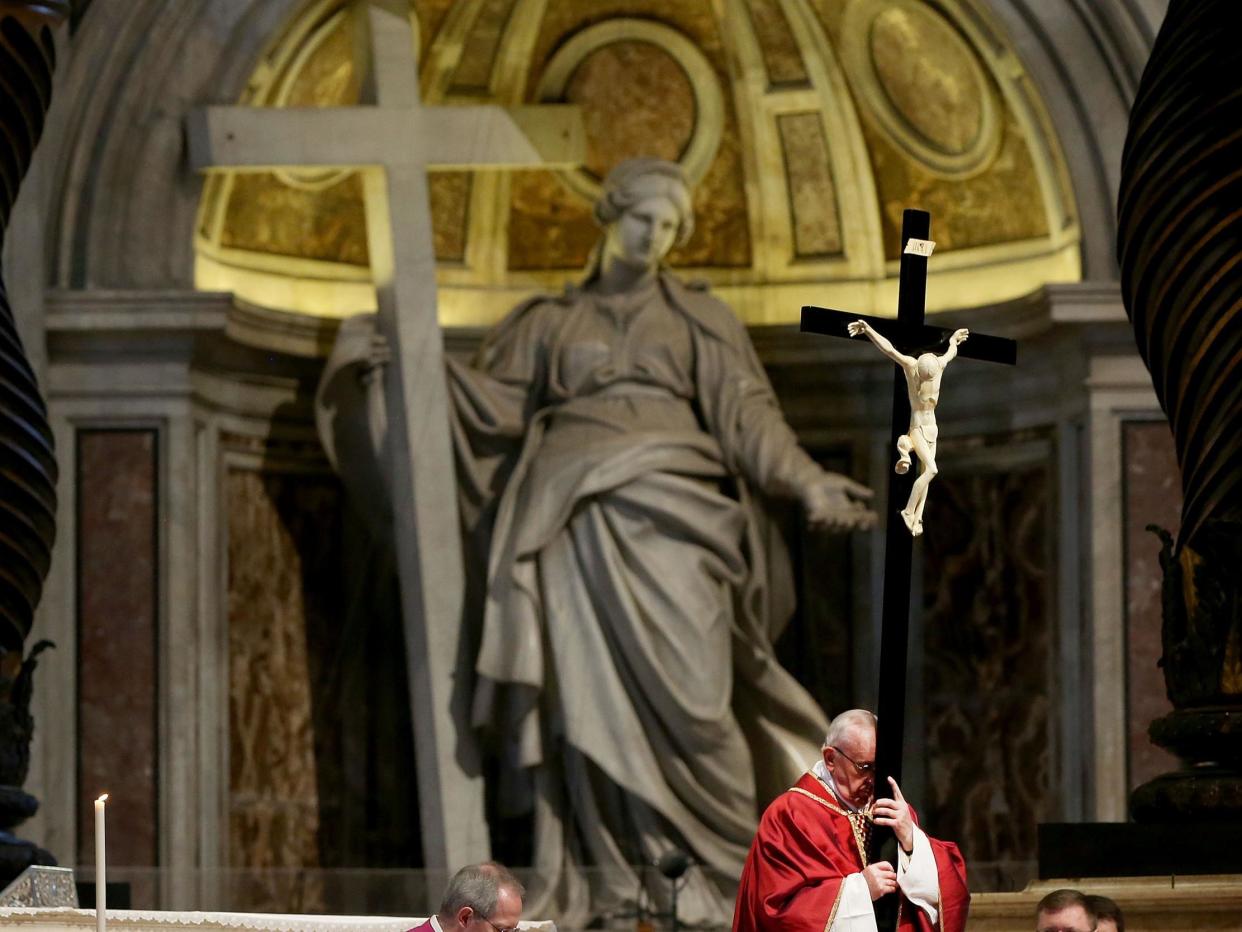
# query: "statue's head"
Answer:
x=645 y=210
x=928 y=366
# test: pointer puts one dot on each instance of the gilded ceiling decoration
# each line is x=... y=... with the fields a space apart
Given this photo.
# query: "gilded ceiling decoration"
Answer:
x=806 y=126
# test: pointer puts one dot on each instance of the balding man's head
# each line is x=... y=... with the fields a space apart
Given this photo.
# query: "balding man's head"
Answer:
x=1064 y=911
x=849 y=755
x=482 y=895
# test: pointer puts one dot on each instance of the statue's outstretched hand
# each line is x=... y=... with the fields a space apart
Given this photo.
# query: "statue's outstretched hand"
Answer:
x=959 y=336
x=838 y=503
x=856 y=328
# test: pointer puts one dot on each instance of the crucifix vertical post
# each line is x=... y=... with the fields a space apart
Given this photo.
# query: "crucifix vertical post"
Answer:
x=907 y=334
x=898 y=544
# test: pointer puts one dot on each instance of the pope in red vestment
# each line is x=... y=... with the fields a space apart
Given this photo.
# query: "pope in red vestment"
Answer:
x=807 y=869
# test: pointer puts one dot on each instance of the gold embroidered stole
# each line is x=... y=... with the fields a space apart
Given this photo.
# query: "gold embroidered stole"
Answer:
x=860 y=822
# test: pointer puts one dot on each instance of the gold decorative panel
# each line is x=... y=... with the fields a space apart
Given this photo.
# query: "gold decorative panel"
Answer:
x=1000 y=205
x=944 y=102
x=923 y=85
x=550 y=224
x=430 y=16
x=804 y=126
x=550 y=227
x=781 y=57
x=256 y=220
x=649 y=79
x=812 y=195
x=614 y=86
x=474 y=70
x=266 y=215
x=450 y=213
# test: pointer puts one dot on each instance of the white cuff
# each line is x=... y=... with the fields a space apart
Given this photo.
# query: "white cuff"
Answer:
x=917 y=875
x=854 y=910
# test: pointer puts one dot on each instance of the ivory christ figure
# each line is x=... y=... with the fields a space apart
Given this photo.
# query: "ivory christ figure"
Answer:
x=617 y=447
x=923 y=384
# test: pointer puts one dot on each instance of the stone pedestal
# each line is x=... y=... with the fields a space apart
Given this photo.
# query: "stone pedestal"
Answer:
x=17 y=854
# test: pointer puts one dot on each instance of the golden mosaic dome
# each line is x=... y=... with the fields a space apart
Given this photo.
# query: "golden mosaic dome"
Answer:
x=806 y=126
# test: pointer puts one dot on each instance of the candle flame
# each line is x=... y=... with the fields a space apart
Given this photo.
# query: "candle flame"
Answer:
x=102 y=798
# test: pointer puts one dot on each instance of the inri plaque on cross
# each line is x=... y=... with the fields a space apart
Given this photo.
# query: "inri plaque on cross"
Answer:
x=909 y=336
x=394 y=141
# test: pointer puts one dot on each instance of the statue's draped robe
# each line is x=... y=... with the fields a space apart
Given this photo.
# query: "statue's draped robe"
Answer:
x=802 y=853
x=615 y=456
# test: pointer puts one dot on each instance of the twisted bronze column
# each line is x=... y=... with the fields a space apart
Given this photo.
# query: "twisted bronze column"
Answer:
x=27 y=460
x=1180 y=248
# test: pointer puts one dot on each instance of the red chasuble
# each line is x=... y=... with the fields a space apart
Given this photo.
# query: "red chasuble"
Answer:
x=804 y=848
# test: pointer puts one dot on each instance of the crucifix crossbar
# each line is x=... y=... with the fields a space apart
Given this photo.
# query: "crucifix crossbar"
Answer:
x=911 y=336
x=394 y=140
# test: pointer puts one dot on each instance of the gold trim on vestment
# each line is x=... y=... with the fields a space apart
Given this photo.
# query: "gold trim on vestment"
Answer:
x=859 y=821
x=832 y=916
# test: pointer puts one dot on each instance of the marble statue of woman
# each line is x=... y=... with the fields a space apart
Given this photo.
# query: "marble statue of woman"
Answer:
x=617 y=446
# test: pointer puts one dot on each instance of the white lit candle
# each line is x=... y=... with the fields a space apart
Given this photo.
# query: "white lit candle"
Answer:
x=101 y=881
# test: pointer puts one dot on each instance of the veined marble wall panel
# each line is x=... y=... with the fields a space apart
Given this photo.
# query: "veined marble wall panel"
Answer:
x=321 y=753
x=812 y=192
x=1152 y=495
x=118 y=675
x=282 y=561
x=991 y=664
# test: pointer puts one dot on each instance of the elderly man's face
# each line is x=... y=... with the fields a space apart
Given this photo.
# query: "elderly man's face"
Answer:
x=852 y=765
x=1070 y=919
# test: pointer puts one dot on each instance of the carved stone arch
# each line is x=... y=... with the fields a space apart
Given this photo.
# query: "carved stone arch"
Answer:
x=122 y=198
x=1085 y=58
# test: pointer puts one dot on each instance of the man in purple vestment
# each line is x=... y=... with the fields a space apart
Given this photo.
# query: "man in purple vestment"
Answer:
x=479 y=896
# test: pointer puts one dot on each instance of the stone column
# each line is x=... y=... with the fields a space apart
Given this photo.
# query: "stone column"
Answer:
x=1180 y=248
x=27 y=460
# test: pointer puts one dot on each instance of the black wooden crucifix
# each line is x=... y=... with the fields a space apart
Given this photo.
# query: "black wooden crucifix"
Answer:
x=910 y=335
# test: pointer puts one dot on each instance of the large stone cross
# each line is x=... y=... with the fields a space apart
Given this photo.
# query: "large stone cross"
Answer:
x=394 y=142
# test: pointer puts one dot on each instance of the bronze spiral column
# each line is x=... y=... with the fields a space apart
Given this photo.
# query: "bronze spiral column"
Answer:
x=1180 y=248
x=27 y=460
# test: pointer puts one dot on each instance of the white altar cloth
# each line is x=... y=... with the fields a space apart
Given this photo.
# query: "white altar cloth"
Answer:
x=136 y=920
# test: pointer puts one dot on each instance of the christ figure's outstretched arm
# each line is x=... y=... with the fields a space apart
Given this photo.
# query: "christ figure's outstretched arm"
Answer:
x=860 y=327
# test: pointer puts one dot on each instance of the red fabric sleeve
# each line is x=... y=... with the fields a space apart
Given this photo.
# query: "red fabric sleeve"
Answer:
x=954 y=895
x=793 y=873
